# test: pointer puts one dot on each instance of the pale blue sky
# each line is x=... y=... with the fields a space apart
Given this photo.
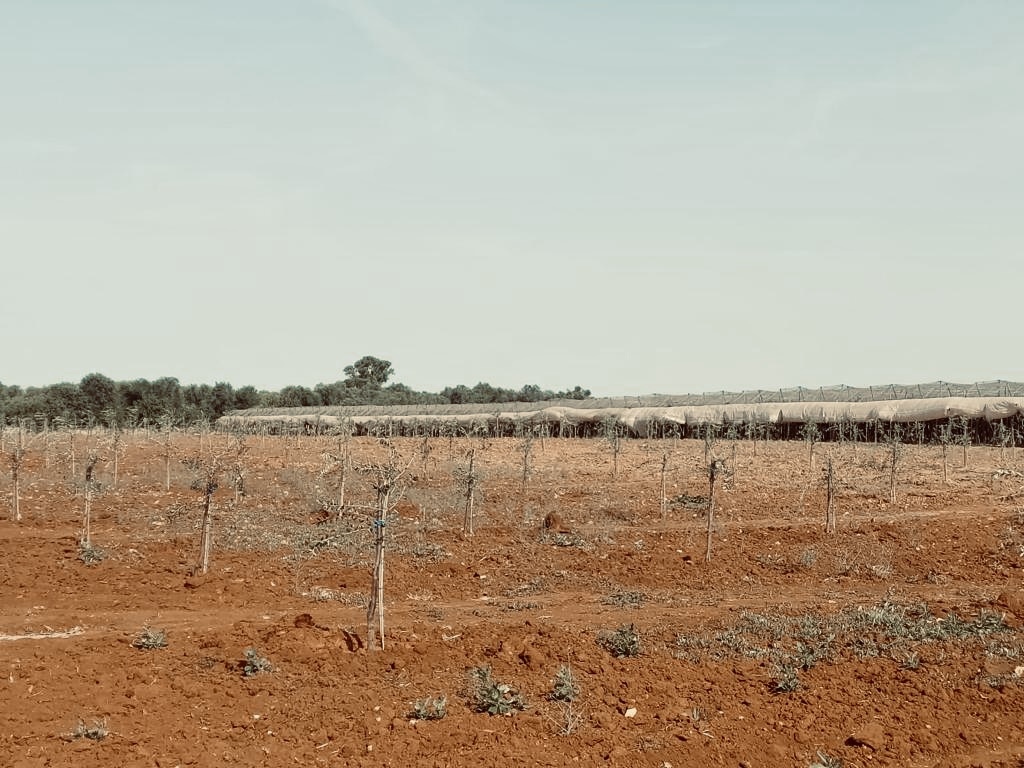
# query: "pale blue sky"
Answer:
x=631 y=196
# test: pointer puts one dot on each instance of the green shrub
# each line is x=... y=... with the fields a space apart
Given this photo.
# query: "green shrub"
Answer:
x=430 y=708
x=623 y=642
x=564 y=687
x=254 y=663
x=490 y=696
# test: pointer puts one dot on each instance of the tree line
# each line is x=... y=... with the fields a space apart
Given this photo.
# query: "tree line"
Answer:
x=98 y=399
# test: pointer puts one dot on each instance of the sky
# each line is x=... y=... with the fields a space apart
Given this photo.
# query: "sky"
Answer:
x=634 y=197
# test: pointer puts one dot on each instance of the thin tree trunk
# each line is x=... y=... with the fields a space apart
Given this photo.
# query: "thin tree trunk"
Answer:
x=830 y=497
x=87 y=522
x=16 y=492
x=470 y=494
x=713 y=468
x=90 y=485
x=375 y=608
x=206 y=546
x=17 y=458
x=664 y=482
x=894 y=460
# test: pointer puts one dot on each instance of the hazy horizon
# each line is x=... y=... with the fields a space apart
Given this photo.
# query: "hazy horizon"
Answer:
x=632 y=198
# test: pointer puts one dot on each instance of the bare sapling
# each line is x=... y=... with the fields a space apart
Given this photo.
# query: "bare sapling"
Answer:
x=71 y=450
x=469 y=478
x=612 y=434
x=16 y=462
x=116 y=443
x=710 y=440
x=206 y=540
x=829 y=476
x=387 y=476
x=450 y=429
x=237 y=468
x=343 y=460
x=47 y=438
x=716 y=467
x=91 y=487
x=811 y=435
x=425 y=450
x=732 y=434
x=1002 y=437
x=167 y=449
x=526 y=458
x=965 y=436
x=664 y=482
x=945 y=440
x=896 y=451
x=207 y=471
x=750 y=434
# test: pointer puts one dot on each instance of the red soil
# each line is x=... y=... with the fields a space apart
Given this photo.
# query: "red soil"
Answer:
x=516 y=597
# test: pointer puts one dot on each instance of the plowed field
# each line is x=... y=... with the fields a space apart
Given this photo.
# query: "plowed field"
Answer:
x=896 y=641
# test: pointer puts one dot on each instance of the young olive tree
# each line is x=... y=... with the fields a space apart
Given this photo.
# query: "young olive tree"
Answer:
x=91 y=488
x=387 y=484
x=16 y=462
x=237 y=469
x=468 y=477
x=114 y=445
x=710 y=435
x=829 y=478
x=965 y=435
x=716 y=469
x=945 y=440
x=896 y=452
x=811 y=434
x=166 y=424
x=207 y=471
x=525 y=446
x=612 y=433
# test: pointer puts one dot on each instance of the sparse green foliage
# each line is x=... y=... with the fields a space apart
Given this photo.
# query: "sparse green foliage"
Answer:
x=91 y=554
x=623 y=642
x=565 y=686
x=825 y=760
x=255 y=663
x=430 y=708
x=488 y=695
x=785 y=679
x=150 y=639
x=625 y=599
x=795 y=643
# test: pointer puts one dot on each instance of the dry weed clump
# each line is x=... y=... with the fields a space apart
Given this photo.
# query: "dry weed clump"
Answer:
x=97 y=730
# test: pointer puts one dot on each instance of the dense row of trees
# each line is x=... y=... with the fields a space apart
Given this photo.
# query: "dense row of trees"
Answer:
x=101 y=400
